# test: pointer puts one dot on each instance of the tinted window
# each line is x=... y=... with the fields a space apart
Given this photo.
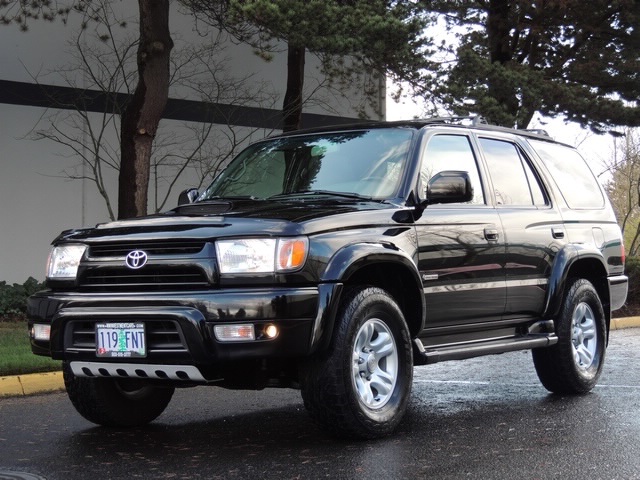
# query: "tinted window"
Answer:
x=576 y=181
x=451 y=152
x=513 y=179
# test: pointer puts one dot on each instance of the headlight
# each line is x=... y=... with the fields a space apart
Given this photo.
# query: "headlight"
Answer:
x=261 y=255
x=64 y=260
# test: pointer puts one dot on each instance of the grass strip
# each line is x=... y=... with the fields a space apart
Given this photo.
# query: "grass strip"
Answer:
x=15 y=352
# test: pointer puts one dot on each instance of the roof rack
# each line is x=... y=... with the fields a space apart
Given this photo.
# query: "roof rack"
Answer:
x=474 y=120
x=539 y=131
x=478 y=121
x=460 y=121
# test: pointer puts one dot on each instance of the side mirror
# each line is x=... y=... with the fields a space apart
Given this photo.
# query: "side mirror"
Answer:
x=450 y=186
x=188 y=196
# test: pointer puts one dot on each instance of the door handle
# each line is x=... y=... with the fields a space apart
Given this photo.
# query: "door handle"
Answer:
x=557 y=233
x=491 y=234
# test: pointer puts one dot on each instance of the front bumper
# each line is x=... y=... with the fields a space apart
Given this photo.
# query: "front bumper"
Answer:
x=180 y=325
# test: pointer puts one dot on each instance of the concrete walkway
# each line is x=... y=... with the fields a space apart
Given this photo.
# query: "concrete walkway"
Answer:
x=50 y=382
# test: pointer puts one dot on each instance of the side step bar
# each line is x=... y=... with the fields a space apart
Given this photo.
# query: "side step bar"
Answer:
x=422 y=356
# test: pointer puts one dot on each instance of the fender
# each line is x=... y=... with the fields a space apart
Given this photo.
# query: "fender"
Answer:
x=564 y=261
x=354 y=257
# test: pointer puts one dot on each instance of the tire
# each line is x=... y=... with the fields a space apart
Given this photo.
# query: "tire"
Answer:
x=114 y=402
x=359 y=387
x=574 y=364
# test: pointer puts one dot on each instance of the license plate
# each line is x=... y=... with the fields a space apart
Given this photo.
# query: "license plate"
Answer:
x=123 y=340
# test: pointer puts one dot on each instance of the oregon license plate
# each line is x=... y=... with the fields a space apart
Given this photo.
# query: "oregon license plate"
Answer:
x=120 y=339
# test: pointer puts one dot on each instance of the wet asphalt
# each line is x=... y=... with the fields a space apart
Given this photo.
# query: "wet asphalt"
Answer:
x=482 y=418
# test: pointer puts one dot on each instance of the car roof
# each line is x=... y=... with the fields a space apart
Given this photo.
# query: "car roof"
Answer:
x=467 y=122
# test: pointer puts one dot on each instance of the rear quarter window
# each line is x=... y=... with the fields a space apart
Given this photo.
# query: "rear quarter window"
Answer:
x=577 y=183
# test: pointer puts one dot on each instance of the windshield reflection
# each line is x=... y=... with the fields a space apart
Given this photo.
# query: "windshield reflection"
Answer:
x=364 y=163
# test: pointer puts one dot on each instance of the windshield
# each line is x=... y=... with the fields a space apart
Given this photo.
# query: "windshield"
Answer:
x=367 y=163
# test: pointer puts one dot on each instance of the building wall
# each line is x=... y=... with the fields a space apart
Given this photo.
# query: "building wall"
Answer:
x=38 y=199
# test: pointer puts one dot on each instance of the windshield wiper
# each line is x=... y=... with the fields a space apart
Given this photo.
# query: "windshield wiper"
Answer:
x=229 y=197
x=305 y=193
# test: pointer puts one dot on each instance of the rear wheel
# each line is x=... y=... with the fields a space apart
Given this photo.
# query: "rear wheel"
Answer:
x=116 y=402
x=574 y=364
x=360 y=387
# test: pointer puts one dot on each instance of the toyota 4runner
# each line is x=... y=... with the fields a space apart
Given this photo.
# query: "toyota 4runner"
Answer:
x=334 y=261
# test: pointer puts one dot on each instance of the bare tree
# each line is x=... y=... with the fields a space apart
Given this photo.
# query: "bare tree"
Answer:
x=104 y=65
x=22 y=12
x=142 y=114
x=102 y=62
x=203 y=72
x=624 y=188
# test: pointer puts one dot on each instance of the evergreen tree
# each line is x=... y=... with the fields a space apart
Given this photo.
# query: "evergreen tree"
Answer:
x=558 y=57
x=383 y=36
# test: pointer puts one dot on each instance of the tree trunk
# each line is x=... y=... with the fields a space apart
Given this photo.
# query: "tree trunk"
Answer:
x=140 y=119
x=500 y=85
x=292 y=106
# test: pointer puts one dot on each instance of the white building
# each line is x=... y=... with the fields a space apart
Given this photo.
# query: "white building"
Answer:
x=45 y=187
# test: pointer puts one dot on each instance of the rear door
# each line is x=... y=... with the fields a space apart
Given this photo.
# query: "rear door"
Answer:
x=533 y=227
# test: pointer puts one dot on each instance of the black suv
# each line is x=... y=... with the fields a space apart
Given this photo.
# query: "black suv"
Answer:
x=334 y=261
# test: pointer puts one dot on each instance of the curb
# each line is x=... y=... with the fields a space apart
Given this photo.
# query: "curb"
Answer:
x=627 y=322
x=22 y=385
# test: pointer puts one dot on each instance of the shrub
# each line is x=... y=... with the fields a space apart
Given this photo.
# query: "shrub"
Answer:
x=13 y=298
x=632 y=306
x=632 y=269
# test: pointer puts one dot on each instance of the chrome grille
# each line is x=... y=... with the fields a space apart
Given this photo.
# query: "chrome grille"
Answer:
x=151 y=248
x=151 y=277
x=171 y=265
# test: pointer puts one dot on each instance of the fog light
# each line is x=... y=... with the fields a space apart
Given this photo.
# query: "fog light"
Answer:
x=41 y=332
x=234 y=333
x=271 y=331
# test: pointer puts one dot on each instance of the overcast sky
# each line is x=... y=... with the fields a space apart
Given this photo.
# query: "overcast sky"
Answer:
x=597 y=149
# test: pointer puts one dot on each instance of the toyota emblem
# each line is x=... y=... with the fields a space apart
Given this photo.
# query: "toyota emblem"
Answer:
x=136 y=259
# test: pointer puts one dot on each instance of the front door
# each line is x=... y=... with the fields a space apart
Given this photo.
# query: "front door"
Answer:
x=461 y=246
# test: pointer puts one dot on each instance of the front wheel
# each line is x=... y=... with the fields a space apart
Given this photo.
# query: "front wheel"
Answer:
x=360 y=387
x=574 y=364
x=114 y=402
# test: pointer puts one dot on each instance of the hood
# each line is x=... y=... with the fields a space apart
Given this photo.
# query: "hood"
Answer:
x=228 y=218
